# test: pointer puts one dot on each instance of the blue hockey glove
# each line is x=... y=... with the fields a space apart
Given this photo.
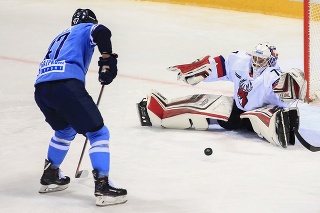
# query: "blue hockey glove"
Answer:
x=107 y=69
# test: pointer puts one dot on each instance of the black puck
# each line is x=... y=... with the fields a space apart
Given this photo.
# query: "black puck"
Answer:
x=208 y=151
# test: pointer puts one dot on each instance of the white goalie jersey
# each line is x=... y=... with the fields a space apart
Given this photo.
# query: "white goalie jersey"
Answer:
x=249 y=93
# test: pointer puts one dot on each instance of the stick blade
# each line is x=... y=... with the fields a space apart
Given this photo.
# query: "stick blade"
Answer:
x=82 y=174
x=305 y=143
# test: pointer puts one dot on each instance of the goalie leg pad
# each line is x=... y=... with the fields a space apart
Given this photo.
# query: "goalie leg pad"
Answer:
x=186 y=112
x=263 y=121
x=186 y=121
x=274 y=124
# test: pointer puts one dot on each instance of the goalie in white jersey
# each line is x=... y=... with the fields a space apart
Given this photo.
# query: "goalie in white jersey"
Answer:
x=262 y=92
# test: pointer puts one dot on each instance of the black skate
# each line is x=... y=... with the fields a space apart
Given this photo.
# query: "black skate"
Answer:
x=107 y=194
x=288 y=120
x=52 y=180
x=282 y=127
x=143 y=114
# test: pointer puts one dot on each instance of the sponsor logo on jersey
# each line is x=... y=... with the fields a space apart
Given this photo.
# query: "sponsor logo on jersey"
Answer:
x=48 y=66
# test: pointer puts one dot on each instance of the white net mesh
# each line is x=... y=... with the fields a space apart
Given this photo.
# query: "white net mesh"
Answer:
x=314 y=48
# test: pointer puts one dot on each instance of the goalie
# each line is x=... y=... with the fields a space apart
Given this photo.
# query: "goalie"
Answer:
x=262 y=94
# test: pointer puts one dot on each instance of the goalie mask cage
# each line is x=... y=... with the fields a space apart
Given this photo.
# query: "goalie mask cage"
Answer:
x=312 y=48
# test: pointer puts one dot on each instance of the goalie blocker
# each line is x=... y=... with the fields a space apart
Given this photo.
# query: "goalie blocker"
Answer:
x=274 y=124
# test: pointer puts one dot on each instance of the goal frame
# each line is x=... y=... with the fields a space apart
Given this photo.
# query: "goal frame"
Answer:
x=306 y=45
x=307 y=40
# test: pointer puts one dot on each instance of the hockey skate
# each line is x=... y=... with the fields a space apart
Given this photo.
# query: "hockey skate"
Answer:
x=143 y=114
x=282 y=127
x=105 y=193
x=52 y=180
x=286 y=121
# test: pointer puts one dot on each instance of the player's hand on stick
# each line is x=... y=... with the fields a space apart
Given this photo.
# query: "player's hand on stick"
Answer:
x=193 y=73
x=107 y=69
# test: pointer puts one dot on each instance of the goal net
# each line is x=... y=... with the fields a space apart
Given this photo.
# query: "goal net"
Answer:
x=312 y=48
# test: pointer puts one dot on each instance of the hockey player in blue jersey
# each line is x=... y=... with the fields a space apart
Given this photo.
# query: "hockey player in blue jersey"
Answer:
x=68 y=108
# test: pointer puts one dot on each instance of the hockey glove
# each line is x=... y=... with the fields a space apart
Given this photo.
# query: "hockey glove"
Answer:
x=107 y=69
x=193 y=73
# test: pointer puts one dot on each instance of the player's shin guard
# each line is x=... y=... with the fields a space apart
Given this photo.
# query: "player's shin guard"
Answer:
x=99 y=151
x=59 y=146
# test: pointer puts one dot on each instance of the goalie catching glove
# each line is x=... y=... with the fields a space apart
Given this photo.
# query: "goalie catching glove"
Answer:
x=107 y=69
x=193 y=73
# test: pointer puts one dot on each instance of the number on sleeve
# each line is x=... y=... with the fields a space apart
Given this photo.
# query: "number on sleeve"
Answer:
x=276 y=72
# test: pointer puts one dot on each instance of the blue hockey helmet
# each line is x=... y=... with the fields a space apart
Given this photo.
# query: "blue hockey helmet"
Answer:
x=83 y=16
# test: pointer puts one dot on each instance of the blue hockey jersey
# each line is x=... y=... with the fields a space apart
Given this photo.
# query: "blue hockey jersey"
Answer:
x=69 y=55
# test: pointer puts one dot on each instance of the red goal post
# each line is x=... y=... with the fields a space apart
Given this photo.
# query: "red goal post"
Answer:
x=312 y=48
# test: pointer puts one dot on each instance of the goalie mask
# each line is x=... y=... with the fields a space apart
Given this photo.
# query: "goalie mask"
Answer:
x=83 y=16
x=264 y=55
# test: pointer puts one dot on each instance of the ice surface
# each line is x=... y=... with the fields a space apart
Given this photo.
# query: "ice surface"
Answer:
x=164 y=170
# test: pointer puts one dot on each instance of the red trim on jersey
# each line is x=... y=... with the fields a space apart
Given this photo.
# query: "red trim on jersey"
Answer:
x=221 y=71
x=275 y=84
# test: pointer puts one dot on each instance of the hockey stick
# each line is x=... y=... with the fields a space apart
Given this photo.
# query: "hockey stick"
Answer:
x=305 y=143
x=84 y=173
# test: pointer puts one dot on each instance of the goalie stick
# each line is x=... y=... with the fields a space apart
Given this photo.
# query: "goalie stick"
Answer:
x=85 y=173
x=305 y=143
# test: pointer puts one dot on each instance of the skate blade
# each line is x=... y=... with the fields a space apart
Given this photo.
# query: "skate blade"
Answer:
x=108 y=201
x=52 y=188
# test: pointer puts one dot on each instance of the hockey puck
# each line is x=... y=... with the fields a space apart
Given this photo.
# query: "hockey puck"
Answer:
x=208 y=151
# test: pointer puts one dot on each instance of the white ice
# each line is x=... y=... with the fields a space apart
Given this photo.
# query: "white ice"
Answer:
x=164 y=171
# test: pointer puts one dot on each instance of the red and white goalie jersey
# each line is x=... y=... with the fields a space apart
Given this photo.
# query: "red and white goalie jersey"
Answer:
x=249 y=93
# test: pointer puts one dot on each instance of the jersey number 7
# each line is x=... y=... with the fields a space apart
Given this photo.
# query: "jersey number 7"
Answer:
x=59 y=41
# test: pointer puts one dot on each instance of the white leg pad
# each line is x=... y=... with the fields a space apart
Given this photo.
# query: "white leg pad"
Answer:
x=187 y=112
x=263 y=121
x=186 y=121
